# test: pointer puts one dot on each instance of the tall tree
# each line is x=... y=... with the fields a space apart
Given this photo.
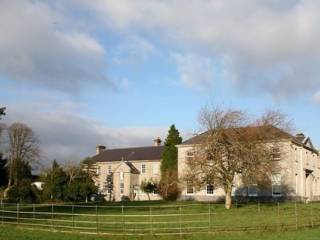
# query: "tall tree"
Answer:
x=169 y=181
x=55 y=182
x=233 y=146
x=3 y=172
x=23 y=150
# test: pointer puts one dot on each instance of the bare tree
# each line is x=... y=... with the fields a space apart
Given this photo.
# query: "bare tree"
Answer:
x=23 y=150
x=72 y=170
x=2 y=111
x=233 y=146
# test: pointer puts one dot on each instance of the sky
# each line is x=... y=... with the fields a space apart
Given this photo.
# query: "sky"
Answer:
x=119 y=73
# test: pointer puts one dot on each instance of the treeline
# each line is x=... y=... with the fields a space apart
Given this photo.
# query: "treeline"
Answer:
x=17 y=184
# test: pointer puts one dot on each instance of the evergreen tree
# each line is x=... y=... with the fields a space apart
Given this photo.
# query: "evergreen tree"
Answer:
x=169 y=165
x=3 y=172
x=55 y=181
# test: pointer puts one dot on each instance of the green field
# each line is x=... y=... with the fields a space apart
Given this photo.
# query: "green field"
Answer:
x=161 y=220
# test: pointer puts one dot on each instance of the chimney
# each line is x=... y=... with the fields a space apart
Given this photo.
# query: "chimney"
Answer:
x=157 y=142
x=100 y=149
x=300 y=137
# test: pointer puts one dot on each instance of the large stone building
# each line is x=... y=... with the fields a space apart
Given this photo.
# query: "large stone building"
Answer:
x=128 y=168
x=298 y=174
x=297 y=157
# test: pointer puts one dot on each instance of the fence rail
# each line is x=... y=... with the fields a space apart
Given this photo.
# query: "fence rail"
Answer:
x=162 y=219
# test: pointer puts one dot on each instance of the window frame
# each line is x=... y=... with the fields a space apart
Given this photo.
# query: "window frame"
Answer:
x=187 y=188
x=207 y=185
x=143 y=168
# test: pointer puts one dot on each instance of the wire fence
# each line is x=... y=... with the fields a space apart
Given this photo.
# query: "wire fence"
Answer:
x=162 y=219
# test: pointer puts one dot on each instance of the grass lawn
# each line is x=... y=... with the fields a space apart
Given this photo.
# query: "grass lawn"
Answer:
x=16 y=233
x=247 y=221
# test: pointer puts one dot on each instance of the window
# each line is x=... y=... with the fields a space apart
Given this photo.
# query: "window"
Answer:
x=143 y=168
x=122 y=188
x=189 y=188
x=189 y=156
x=155 y=168
x=276 y=154
x=276 y=184
x=109 y=169
x=209 y=189
x=121 y=176
x=253 y=190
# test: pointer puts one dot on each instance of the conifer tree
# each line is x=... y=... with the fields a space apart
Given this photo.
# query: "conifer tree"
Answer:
x=169 y=165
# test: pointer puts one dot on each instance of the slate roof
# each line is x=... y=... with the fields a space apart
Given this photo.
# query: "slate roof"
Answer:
x=261 y=133
x=130 y=154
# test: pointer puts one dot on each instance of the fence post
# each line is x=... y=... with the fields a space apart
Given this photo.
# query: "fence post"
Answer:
x=34 y=213
x=18 y=213
x=72 y=217
x=311 y=215
x=2 y=211
x=296 y=214
x=180 y=230
x=279 y=222
x=150 y=219
x=123 y=223
x=97 y=220
x=52 y=216
x=209 y=219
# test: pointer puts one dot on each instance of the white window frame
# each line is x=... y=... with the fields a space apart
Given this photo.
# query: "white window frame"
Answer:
x=187 y=188
x=189 y=155
x=276 y=181
x=121 y=188
x=276 y=151
x=254 y=194
x=207 y=189
x=143 y=168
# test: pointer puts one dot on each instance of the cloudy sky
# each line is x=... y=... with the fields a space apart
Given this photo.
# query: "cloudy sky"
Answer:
x=83 y=72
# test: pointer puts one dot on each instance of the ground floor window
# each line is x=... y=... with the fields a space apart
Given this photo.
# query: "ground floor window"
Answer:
x=276 y=190
x=276 y=184
x=190 y=188
x=122 y=188
x=209 y=189
x=253 y=190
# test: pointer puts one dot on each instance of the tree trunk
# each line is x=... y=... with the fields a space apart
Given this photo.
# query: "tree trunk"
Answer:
x=148 y=196
x=228 y=200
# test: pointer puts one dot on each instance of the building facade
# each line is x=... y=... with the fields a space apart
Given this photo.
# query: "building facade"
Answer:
x=298 y=175
x=120 y=172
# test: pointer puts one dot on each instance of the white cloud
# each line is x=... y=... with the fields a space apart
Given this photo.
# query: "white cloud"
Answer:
x=66 y=135
x=316 y=97
x=195 y=71
x=271 y=45
x=39 y=45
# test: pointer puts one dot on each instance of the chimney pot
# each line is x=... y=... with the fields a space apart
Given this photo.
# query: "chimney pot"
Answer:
x=100 y=149
x=157 y=142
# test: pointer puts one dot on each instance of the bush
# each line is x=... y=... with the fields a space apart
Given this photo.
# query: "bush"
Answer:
x=23 y=192
x=125 y=199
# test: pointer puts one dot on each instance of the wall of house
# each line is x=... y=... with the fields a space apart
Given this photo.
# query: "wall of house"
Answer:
x=131 y=181
x=295 y=161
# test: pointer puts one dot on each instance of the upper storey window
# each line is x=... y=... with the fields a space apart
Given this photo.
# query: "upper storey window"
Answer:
x=276 y=155
x=189 y=155
x=143 y=168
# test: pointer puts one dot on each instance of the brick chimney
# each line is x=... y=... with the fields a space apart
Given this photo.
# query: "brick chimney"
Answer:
x=300 y=137
x=100 y=149
x=157 y=142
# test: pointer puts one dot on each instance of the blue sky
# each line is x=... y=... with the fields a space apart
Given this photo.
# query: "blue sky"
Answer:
x=120 y=72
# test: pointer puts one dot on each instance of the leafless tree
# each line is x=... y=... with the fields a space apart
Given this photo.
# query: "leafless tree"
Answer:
x=72 y=170
x=233 y=146
x=23 y=150
x=2 y=112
